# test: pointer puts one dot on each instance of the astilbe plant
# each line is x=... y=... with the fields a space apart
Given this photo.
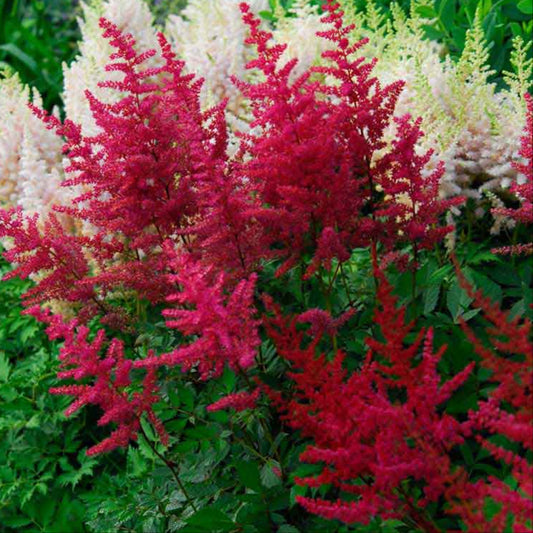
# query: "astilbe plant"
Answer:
x=224 y=325
x=523 y=191
x=381 y=433
x=317 y=157
x=162 y=212
x=507 y=412
x=165 y=217
x=134 y=195
x=109 y=372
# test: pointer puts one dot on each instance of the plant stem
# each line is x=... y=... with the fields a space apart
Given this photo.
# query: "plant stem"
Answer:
x=171 y=468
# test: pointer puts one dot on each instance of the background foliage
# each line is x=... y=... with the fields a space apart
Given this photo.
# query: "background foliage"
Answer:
x=36 y=37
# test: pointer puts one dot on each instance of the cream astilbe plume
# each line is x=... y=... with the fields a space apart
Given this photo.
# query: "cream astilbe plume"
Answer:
x=39 y=183
x=88 y=69
x=30 y=154
x=210 y=36
x=297 y=29
x=473 y=128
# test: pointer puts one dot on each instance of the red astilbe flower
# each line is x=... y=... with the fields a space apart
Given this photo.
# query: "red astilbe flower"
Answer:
x=291 y=161
x=224 y=232
x=523 y=191
x=134 y=182
x=412 y=204
x=411 y=207
x=105 y=364
x=48 y=252
x=507 y=412
x=361 y=428
x=381 y=431
x=238 y=401
x=322 y=322
x=138 y=182
x=224 y=323
x=314 y=154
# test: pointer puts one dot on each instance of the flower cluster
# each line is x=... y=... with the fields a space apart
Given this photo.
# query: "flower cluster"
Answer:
x=467 y=123
x=30 y=155
x=318 y=158
x=523 y=190
x=169 y=209
x=168 y=215
x=110 y=372
x=381 y=435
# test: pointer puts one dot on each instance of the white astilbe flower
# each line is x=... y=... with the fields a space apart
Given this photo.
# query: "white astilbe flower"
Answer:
x=297 y=30
x=209 y=37
x=88 y=69
x=39 y=183
x=30 y=154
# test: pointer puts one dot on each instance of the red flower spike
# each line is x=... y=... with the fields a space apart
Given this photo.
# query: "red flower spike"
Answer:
x=314 y=155
x=381 y=429
x=238 y=401
x=224 y=324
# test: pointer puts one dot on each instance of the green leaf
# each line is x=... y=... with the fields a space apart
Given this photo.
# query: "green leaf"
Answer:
x=426 y=12
x=211 y=519
x=16 y=521
x=24 y=58
x=267 y=15
x=249 y=476
x=526 y=6
x=447 y=12
x=46 y=510
x=4 y=367
x=431 y=298
x=269 y=478
x=457 y=300
x=287 y=528
x=487 y=286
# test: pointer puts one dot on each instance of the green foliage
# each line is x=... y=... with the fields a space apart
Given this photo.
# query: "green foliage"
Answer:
x=40 y=458
x=162 y=8
x=501 y=21
x=36 y=37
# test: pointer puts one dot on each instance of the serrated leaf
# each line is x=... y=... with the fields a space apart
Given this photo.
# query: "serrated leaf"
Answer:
x=4 y=367
x=431 y=298
x=457 y=300
x=249 y=476
x=136 y=462
x=268 y=477
x=211 y=519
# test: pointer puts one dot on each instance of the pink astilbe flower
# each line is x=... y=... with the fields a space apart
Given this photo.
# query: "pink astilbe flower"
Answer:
x=322 y=322
x=238 y=401
x=224 y=323
x=523 y=191
x=134 y=183
x=314 y=155
x=137 y=184
x=49 y=252
x=105 y=364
